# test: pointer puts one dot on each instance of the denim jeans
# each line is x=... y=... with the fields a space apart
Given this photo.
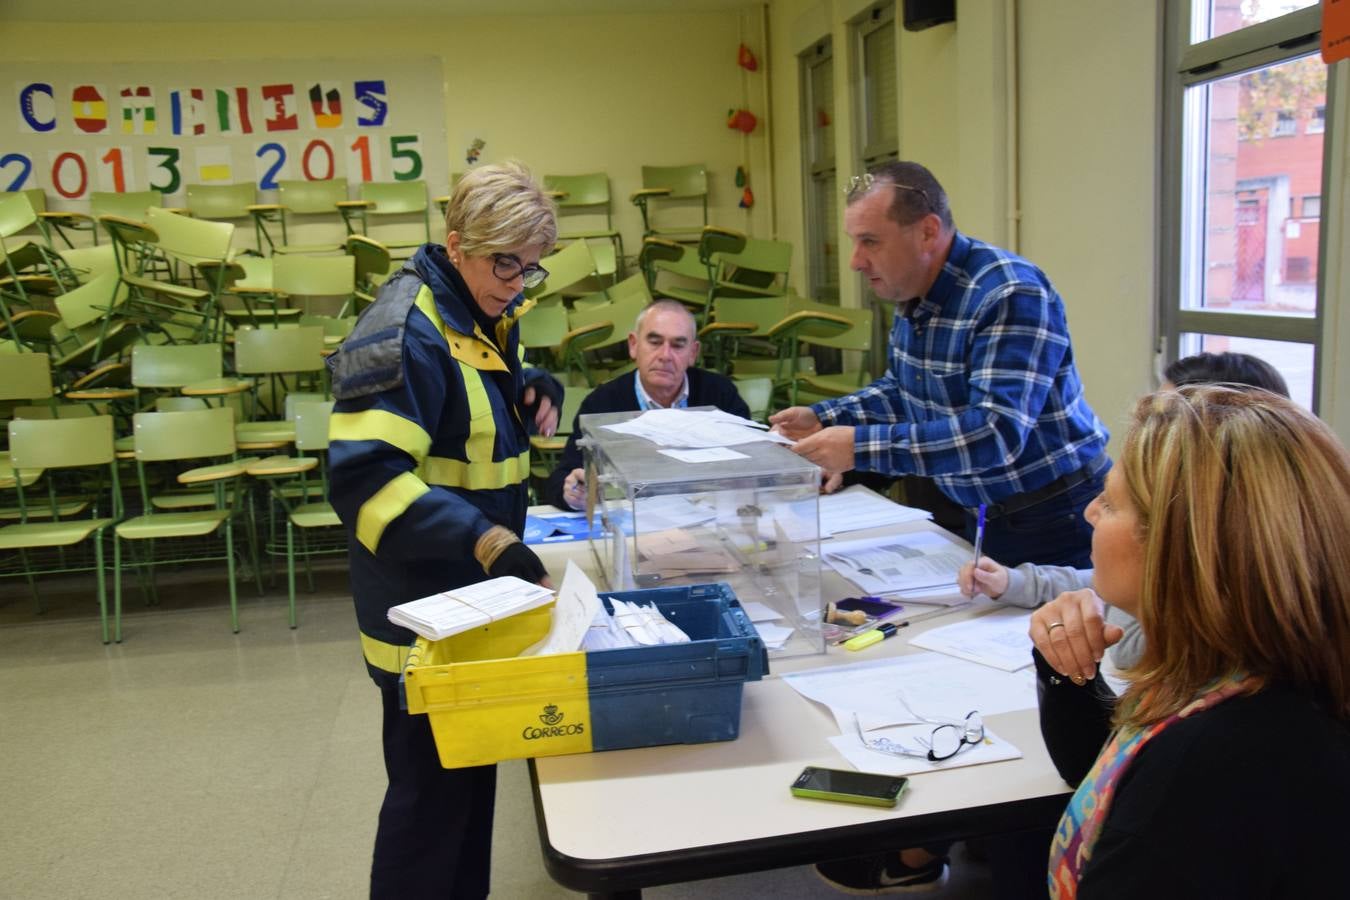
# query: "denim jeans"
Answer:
x=1051 y=533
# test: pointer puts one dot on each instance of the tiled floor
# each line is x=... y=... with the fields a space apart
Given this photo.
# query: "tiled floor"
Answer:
x=192 y=762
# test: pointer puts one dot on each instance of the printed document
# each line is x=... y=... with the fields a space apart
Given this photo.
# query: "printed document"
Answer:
x=999 y=639
x=696 y=428
x=897 y=562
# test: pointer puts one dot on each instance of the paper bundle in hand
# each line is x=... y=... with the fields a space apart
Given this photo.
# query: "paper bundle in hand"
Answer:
x=473 y=606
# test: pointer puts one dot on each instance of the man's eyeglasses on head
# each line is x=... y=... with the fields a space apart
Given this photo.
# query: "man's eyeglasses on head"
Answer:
x=506 y=266
x=861 y=184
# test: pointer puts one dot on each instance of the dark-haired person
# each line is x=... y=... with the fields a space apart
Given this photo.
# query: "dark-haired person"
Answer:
x=429 y=455
x=1224 y=769
x=1224 y=368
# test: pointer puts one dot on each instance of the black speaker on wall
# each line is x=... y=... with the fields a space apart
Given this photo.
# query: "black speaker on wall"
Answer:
x=921 y=14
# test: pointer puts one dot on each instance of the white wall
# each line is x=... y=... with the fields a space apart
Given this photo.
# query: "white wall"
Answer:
x=565 y=94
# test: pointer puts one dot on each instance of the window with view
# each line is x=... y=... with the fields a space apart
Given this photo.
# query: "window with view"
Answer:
x=1243 y=230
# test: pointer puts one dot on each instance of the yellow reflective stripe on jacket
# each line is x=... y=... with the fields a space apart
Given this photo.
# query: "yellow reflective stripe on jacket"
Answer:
x=388 y=503
x=475 y=476
x=383 y=655
x=381 y=425
x=482 y=426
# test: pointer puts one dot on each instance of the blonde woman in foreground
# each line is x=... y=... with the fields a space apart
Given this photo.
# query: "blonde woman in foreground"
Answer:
x=1224 y=770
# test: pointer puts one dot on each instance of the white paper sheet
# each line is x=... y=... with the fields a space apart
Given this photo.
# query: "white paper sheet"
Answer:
x=933 y=684
x=702 y=455
x=573 y=613
x=759 y=612
x=856 y=507
x=896 y=562
x=694 y=428
x=993 y=749
x=998 y=638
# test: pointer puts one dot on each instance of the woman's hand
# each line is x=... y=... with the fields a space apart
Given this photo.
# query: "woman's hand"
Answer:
x=546 y=416
x=988 y=578
x=1072 y=635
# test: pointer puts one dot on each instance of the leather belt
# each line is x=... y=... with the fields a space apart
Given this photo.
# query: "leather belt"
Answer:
x=1018 y=502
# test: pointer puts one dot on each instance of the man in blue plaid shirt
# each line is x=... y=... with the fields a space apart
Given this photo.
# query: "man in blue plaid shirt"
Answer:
x=981 y=394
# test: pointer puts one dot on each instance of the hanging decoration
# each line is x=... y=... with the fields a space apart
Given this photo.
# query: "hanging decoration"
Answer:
x=743 y=182
x=742 y=120
x=746 y=60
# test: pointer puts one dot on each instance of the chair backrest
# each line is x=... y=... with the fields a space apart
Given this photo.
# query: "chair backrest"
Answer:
x=572 y=399
x=757 y=392
x=60 y=411
x=89 y=262
x=372 y=257
x=571 y=264
x=311 y=424
x=174 y=365
x=25 y=376
x=312 y=197
x=683 y=181
x=543 y=326
x=859 y=337
x=395 y=197
x=579 y=190
x=180 y=404
x=759 y=264
x=221 y=201
x=91 y=301
x=261 y=351
x=127 y=205
x=16 y=213
x=313 y=275
x=763 y=312
x=192 y=240
x=61 y=443
x=190 y=434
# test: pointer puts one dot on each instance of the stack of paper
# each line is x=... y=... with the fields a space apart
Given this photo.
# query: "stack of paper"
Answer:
x=442 y=615
x=856 y=508
x=696 y=428
x=997 y=639
x=913 y=565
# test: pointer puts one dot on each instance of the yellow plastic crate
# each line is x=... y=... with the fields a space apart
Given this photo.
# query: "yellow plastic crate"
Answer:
x=486 y=704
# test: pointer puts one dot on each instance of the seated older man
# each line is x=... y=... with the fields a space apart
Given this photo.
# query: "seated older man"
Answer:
x=664 y=344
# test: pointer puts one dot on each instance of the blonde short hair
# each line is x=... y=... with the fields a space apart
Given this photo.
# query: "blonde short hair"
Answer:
x=1243 y=501
x=500 y=208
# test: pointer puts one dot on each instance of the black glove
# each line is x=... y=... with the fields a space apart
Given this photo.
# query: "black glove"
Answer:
x=520 y=561
x=545 y=385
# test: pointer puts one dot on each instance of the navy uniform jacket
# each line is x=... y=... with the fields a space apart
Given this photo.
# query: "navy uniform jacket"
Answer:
x=428 y=445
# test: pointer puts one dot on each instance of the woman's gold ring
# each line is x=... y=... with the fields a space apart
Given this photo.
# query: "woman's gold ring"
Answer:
x=1052 y=626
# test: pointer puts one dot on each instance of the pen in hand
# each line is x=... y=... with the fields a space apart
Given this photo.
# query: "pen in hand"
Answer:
x=979 y=538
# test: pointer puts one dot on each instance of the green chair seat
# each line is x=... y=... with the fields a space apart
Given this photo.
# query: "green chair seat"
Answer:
x=49 y=534
x=178 y=524
x=264 y=432
x=315 y=515
x=196 y=500
x=64 y=509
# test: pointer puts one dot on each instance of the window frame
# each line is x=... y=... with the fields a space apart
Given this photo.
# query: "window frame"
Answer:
x=821 y=284
x=874 y=19
x=1189 y=65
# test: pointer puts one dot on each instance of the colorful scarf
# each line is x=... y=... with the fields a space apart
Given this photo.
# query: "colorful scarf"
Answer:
x=1082 y=820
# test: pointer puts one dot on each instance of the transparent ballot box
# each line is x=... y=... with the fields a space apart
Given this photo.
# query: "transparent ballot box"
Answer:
x=751 y=522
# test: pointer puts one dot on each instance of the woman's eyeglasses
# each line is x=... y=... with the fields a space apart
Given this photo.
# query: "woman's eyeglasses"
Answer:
x=506 y=267
x=861 y=184
x=946 y=740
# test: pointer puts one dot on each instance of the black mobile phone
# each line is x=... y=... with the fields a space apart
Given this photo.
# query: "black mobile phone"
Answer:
x=850 y=787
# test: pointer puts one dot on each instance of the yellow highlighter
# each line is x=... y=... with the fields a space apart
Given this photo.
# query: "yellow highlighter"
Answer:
x=875 y=636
